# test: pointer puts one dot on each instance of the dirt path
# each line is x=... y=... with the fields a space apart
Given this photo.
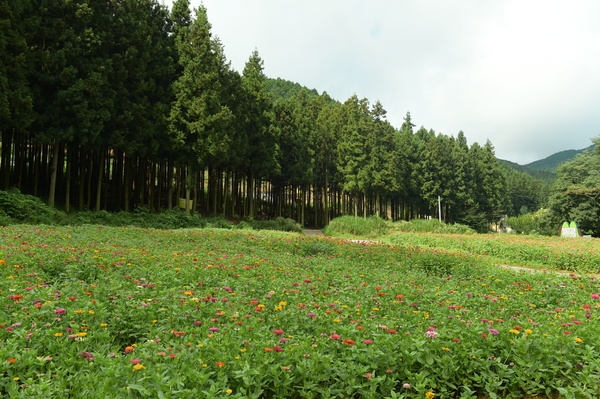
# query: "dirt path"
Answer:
x=313 y=232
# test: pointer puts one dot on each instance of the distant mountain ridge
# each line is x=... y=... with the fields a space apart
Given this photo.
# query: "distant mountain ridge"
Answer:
x=551 y=162
x=545 y=169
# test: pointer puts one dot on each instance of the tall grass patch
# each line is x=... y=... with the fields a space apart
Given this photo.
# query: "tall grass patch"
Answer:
x=370 y=227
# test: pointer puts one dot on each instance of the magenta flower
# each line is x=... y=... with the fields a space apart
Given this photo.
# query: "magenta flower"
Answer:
x=493 y=331
x=595 y=296
x=213 y=329
x=60 y=311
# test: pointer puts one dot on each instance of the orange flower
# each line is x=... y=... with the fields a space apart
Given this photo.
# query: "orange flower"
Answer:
x=128 y=349
x=11 y=360
x=220 y=364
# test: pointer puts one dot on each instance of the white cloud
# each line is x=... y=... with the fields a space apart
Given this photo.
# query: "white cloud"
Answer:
x=521 y=73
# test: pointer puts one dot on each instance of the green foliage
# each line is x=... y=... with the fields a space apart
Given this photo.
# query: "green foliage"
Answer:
x=431 y=226
x=370 y=227
x=476 y=220
x=279 y=224
x=534 y=223
x=16 y=208
x=575 y=255
x=575 y=193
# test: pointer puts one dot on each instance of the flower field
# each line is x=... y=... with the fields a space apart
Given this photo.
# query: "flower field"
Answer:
x=94 y=312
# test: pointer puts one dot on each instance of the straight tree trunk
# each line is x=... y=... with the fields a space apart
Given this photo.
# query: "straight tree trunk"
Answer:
x=53 y=173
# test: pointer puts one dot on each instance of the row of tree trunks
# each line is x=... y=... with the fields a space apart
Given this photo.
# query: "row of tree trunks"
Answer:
x=113 y=180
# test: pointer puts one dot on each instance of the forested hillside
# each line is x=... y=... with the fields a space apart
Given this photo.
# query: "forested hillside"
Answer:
x=120 y=105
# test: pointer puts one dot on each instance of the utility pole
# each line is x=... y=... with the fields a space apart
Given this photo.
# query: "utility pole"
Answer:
x=440 y=208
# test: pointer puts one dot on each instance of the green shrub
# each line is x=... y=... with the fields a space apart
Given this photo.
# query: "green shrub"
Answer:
x=431 y=226
x=523 y=223
x=16 y=208
x=372 y=226
x=279 y=224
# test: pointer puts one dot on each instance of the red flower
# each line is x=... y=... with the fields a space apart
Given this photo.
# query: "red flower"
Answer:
x=484 y=335
x=220 y=364
x=278 y=332
x=278 y=349
x=349 y=342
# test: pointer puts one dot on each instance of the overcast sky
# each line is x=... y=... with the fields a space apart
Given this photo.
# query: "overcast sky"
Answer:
x=524 y=74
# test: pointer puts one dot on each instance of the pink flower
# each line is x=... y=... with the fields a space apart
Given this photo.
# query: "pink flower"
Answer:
x=60 y=311
x=335 y=336
x=310 y=314
x=369 y=375
x=278 y=332
x=595 y=296
x=135 y=361
x=368 y=341
x=213 y=329
x=406 y=386
x=494 y=331
x=431 y=334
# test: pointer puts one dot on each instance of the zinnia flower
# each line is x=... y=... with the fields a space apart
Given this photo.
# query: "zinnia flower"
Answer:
x=431 y=334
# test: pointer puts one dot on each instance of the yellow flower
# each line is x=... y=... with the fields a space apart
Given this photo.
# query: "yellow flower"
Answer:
x=578 y=340
x=429 y=395
x=16 y=378
x=81 y=334
x=445 y=349
x=513 y=331
x=79 y=311
x=91 y=312
x=228 y=392
x=59 y=334
x=243 y=350
x=103 y=324
x=528 y=331
x=138 y=366
x=278 y=308
x=282 y=303
x=336 y=320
